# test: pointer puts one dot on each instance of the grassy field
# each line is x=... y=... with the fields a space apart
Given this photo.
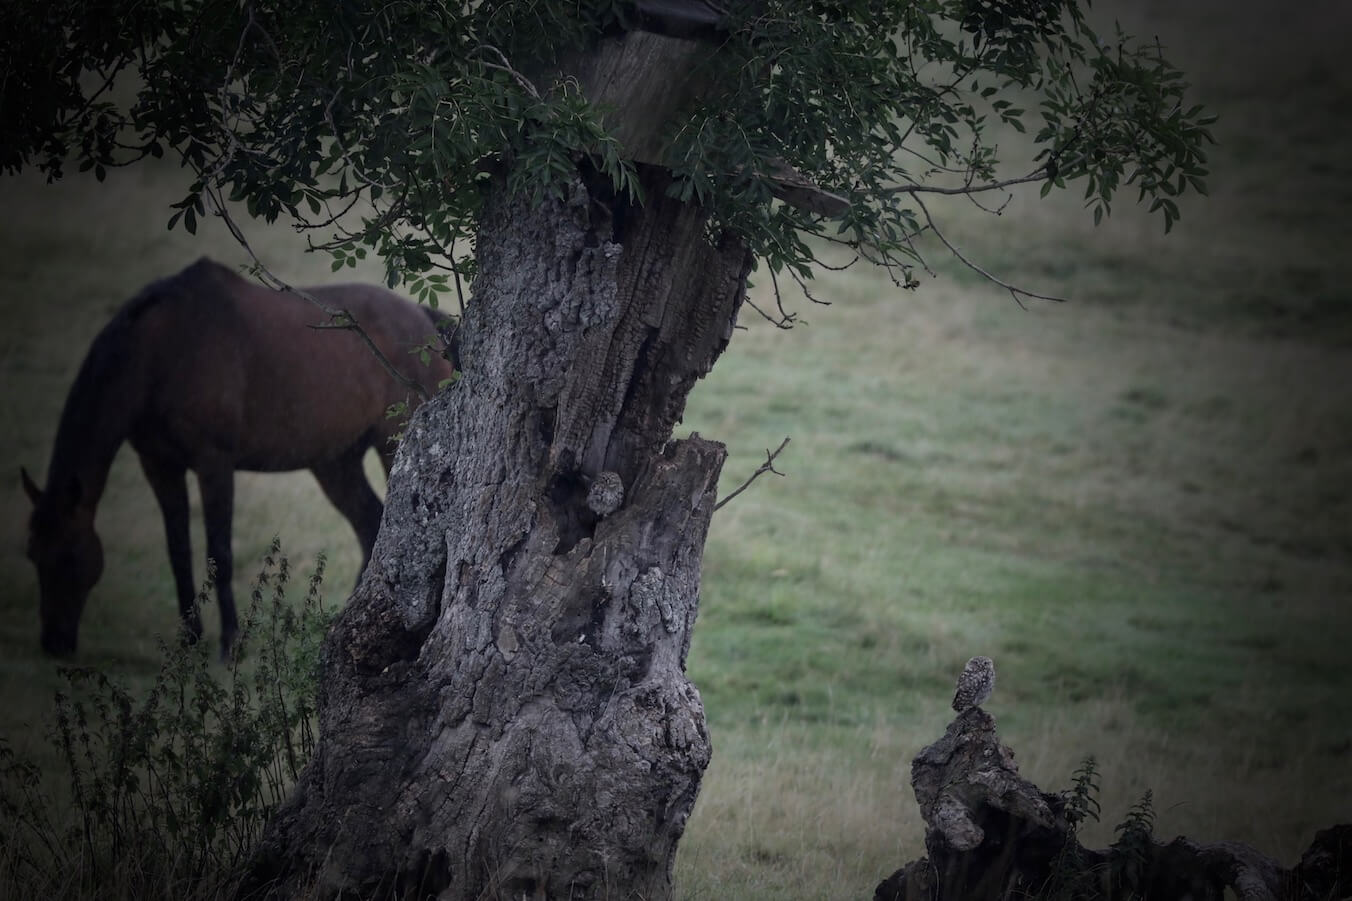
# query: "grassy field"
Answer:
x=1139 y=503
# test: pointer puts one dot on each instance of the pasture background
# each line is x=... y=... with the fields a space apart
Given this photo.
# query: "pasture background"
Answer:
x=1139 y=503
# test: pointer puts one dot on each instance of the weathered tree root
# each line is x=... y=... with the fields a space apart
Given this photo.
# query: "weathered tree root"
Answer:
x=991 y=834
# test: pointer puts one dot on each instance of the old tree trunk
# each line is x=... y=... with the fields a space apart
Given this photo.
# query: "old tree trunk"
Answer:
x=505 y=707
x=505 y=711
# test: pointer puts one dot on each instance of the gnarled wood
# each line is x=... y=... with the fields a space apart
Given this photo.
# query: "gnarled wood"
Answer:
x=991 y=834
x=505 y=709
x=641 y=112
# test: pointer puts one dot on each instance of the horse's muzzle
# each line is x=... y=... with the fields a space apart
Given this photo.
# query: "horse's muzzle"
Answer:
x=58 y=644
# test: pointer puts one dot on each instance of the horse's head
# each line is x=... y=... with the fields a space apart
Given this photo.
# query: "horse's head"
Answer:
x=69 y=556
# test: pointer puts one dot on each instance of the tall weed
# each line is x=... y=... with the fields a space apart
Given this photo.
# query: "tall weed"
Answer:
x=169 y=792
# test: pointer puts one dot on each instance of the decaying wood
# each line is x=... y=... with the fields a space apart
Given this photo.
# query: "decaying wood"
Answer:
x=696 y=19
x=638 y=109
x=505 y=710
x=795 y=189
x=991 y=834
x=641 y=112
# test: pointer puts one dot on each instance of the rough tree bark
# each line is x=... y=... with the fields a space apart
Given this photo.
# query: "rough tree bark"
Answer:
x=991 y=834
x=505 y=711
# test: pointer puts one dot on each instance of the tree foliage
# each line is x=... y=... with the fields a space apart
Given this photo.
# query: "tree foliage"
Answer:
x=374 y=125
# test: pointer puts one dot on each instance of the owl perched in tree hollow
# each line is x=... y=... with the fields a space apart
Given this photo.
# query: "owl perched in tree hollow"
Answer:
x=606 y=493
x=975 y=684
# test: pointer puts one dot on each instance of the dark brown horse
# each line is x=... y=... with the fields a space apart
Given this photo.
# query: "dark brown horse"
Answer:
x=208 y=371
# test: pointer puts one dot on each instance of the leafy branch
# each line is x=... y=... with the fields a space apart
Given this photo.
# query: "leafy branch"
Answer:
x=379 y=125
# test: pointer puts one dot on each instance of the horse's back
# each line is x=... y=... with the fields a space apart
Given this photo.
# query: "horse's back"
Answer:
x=250 y=374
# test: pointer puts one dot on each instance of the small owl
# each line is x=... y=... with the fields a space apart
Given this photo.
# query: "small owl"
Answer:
x=975 y=684
x=606 y=494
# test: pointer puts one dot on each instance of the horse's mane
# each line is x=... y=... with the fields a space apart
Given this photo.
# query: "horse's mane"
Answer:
x=115 y=332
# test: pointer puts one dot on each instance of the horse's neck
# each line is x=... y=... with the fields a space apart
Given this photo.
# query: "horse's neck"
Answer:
x=97 y=417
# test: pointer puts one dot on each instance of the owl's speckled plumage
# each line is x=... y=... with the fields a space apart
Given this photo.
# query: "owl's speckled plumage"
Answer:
x=975 y=684
x=606 y=494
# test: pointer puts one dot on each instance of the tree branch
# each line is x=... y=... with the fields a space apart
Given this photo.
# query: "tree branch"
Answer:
x=1013 y=290
x=506 y=66
x=785 y=323
x=1039 y=174
x=767 y=466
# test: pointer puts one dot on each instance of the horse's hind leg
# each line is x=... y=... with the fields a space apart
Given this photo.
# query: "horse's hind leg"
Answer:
x=170 y=484
x=344 y=482
x=217 y=482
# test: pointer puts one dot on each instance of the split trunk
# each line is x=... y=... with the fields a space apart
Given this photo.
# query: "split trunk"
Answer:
x=505 y=711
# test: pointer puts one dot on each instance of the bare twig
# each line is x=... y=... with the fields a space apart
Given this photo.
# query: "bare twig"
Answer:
x=802 y=286
x=779 y=298
x=993 y=210
x=785 y=323
x=843 y=266
x=1039 y=174
x=506 y=66
x=1013 y=290
x=333 y=217
x=767 y=466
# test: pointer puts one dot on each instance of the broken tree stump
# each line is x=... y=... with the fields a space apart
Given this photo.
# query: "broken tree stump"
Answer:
x=991 y=834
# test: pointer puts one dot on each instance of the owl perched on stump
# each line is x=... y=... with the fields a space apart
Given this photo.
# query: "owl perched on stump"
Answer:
x=975 y=684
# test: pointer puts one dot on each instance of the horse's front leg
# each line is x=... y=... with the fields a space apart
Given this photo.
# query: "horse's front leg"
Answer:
x=169 y=481
x=217 y=483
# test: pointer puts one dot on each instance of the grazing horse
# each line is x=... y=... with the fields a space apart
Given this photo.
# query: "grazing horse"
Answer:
x=208 y=371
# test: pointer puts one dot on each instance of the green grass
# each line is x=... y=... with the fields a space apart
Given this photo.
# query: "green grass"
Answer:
x=1139 y=503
